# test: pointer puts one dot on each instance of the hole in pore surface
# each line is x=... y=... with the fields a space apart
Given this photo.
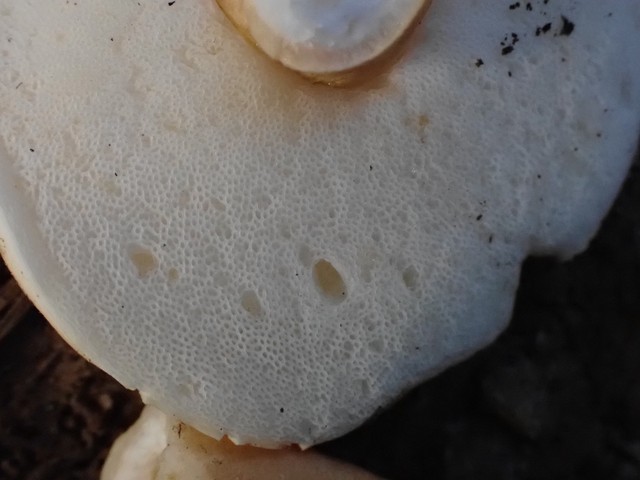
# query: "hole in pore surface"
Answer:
x=143 y=260
x=329 y=281
x=410 y=278
x=250 y=302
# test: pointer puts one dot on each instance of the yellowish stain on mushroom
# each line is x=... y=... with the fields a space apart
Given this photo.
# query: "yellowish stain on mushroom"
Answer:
x=111 y=187
x=419 y=125
x=173 y=275
x=251 y=303
x=329 y=281
x=143 y=260
x=183 y=198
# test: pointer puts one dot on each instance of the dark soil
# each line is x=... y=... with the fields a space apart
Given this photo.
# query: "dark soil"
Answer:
x=556 y=397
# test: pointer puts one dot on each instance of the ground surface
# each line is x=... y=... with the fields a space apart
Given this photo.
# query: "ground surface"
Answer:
x=556 y=397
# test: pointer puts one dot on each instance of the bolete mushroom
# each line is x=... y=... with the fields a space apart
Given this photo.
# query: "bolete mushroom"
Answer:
x=274 y=260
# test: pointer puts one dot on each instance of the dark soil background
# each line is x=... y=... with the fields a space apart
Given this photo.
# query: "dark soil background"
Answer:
x=556 y=397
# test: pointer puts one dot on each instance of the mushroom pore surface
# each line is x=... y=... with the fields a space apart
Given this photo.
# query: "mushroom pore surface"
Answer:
x=276 y=260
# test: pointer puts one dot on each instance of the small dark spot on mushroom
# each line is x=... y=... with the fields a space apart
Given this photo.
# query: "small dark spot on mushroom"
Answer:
x=490 y=238
x=370 y=167
x=529 y=7
x=281 y=410
x=599 y=134
x=171 y=3
x=479 y=62
x=509 y=73
x=513 y=6
x=19 y=85
x=111 y=39
x=31 y=150
x=567 y=26
x=479 y=217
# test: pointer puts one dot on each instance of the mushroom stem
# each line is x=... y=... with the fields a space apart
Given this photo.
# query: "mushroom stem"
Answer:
x=160 y=448
x=338 y=42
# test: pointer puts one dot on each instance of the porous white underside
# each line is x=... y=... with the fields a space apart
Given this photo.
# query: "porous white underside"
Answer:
x=165 y=191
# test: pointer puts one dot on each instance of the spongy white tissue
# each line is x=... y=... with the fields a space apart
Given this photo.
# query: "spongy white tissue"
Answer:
x=275 y=260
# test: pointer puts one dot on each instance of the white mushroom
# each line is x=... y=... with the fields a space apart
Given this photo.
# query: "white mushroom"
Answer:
x=336 y=42
x=275 y=260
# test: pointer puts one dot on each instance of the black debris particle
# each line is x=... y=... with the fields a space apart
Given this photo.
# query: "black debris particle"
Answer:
x=543 y=29
x=479 y=62
x=564 y=26
x=31 y=150
x=479 y=217
x=281 y=410
x=508 y=43
x=567 y=26
x=507 y=50
x=171 y=3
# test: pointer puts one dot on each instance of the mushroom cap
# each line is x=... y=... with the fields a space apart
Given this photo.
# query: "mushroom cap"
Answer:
x=275 y=260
